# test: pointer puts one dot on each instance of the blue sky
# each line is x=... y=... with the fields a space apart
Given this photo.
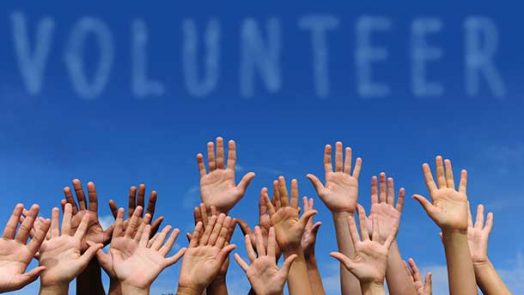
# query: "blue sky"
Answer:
x=115 y=137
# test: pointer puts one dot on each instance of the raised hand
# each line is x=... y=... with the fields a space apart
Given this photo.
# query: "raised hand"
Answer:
x=264 y=222
x=218 y=187
x=205 y=255
x=95 y=233
x=449 y=207
x=370 y=260
x=478 y=235
x=61 y=252
x=134 y=259
x=422 y=287
x=263 y=273
x=310 y=233
x=16 y=253
x=137 y=198
x=340 y=192
x=383 y=206
x=289 y=228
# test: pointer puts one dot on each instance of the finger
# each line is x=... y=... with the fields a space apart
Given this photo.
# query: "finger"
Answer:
x=470 y=218
x=391 y=236
x=151 y=205
x=141 y=195
x=27 y=225
x=315 y=228
x=463 y=182
x=131 y=201
x=69 y=198
x=203 y=213
x=31 y=276
x=144 y=236
x=276 y=195
x=286 y=267
x=428 y=178
x=211 y=156
x=414 y=268
x=358 y=167
x=269 y=205
x=391 y=191
x=479 y=222
x=261 y=250
x=170 y=242
x=441 y=177
x=317 y=184
x=262 y=207
x=159 y=241
x=156 y=224
x=55 y=231
x=347 y=161
x=428 y=283
x=220 y=153
x=207 y=232
x=271 y=243
x=66 y=220
x=306 y=217
x=213 y=210
x=249 y=249
x=428 y=207
x=141 y=228
x=343 y=259
x=12 y=223
x=362 y=222
x=133 y=223
x=338 y=157
x=243 y=265
x=224 y=232
x=39 y=235
x=113 y=207
x=201 y=165
x=216 y=229
x=382 y=187
x=328 y=166
x=104 y=259
x=244 y=227
x=282 y=189
x=231 y=155
x=375 y=229
x=119 y=224
x=374 y=190
x=63 y=202
x=195 y=236
x=82 y=228
x=294 y=194
x=82 y=203
x=93 y=198
x=245 y=181
x=197 y=216
x=174 y=259
x=353 y=230
x=489 y=222
x=400 y=200
x=450 y=181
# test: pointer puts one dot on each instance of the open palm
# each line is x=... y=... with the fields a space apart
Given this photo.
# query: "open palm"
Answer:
x=449 y=207
x=218 y=187
x=340 y=191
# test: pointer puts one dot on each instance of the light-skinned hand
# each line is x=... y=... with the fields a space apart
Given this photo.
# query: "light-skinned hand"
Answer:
x=478 y=235
x=422 y=287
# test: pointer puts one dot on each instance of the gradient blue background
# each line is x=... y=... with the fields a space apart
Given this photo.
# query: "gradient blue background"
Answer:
x=118 y=140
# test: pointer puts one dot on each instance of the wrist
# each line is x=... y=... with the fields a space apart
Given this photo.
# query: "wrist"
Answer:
x=311 y=260
x=54 y=289
x=130 y=289
x=482 y=263
x=342 y=215
x=115 y=287
x=218 y=281
x=372 y=287
x=189 y=290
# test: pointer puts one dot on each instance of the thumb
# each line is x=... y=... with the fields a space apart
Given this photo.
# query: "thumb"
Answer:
x=428 y=207
x=108 y=234
x=224 y=253
x=90 y=253
x=244 y=227
x=286 y=267
x=30 y=276
x=315 y=228
x=306 y=216
x=317 y=184
x=245 y=181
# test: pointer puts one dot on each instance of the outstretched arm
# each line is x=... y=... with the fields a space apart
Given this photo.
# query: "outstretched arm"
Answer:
x=486 y=275
x=449 y=210
x=340 y=194
x=308 y=244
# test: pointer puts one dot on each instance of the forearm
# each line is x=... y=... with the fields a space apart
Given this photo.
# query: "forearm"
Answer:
x=298 y=282
x=132 y=290
x=61 y=289
x=314 y=276
x=461 y=275
x=399 y=283
x=89 y=282
x=349 y=283
x=187 y=290
x=218 y=287
x=373 y=289
x=489 y=280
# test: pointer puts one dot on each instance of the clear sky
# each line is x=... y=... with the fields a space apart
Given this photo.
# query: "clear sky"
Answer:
x=75 y=105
